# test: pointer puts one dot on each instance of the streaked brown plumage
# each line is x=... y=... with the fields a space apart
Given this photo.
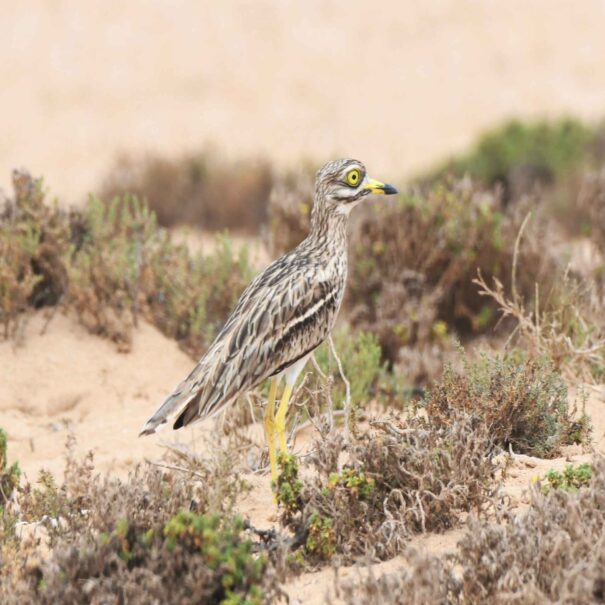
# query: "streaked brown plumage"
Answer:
x=284 y=314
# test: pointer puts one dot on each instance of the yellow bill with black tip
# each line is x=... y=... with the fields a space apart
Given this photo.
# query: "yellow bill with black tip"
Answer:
x=379 y=188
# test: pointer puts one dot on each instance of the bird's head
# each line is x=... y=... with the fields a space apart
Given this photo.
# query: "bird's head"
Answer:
x=341 y=184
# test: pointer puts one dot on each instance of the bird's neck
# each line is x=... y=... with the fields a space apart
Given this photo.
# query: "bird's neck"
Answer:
x=328 y=222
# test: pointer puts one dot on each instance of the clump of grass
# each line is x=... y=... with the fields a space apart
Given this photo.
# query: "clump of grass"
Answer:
x=403 y=477
x=551 y=553
x=570 y=480
x=522 y=402
x=155 y=537
x=195 y=189
x=519 y=154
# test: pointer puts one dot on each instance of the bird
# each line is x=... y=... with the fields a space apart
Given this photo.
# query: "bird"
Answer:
x=283 y=315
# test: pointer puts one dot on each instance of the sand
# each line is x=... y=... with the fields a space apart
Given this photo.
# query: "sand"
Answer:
x=397 y=85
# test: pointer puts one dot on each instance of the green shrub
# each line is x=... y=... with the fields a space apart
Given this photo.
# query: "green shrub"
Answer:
x=34 y=242
x=518 y=153
x=522 y=402
x=127 y=267
x=112 y=264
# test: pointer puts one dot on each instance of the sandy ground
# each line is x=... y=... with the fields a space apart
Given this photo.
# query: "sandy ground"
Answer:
x=396 y=84
x=61 y=380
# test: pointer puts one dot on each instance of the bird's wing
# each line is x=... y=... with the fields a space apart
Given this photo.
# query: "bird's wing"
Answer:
x=284 y=313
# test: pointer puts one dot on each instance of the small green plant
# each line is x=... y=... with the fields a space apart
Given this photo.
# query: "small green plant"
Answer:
x=223 y=550
x=357 y=482
x=321 y=541
x=360 y=355
x=289 y=486
x=570 y=480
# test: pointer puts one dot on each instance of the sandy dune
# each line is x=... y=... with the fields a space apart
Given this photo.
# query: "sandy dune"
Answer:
x=396 y=84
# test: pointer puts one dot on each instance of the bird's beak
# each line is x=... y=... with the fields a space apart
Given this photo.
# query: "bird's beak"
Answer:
x=380 y=188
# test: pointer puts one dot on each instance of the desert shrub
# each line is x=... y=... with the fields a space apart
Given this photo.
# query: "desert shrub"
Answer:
x=34 y=241
x=519 y=154
x=189 y=297
x=523 y=402
x=111 y=264
x=402 y=477
x=421 y=580
x=552 y=553
x=196 y=188
x=413 y=262
x=127 y=267
x=155 y=537
x=564 y=323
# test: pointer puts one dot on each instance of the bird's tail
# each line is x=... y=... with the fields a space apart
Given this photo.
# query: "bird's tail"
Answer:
x=177 y=399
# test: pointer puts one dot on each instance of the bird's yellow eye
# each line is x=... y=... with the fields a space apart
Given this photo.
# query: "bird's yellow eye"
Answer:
x=353 y=177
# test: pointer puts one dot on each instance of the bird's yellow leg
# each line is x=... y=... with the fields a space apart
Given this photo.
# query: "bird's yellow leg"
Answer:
x=270 y=428
x=280 y=418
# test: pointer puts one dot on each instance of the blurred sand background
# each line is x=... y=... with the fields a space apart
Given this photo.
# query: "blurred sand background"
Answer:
x=397 y=83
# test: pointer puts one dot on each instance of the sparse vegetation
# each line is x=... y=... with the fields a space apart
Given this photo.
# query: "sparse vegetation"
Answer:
x=403 y=477
x=443 y=262
x=112 y=264
x=9 y=475
x=564 y=326
x=551 y=553
x=156 y=537
x=523 y=402
x=413 y=262
x=35 y=239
